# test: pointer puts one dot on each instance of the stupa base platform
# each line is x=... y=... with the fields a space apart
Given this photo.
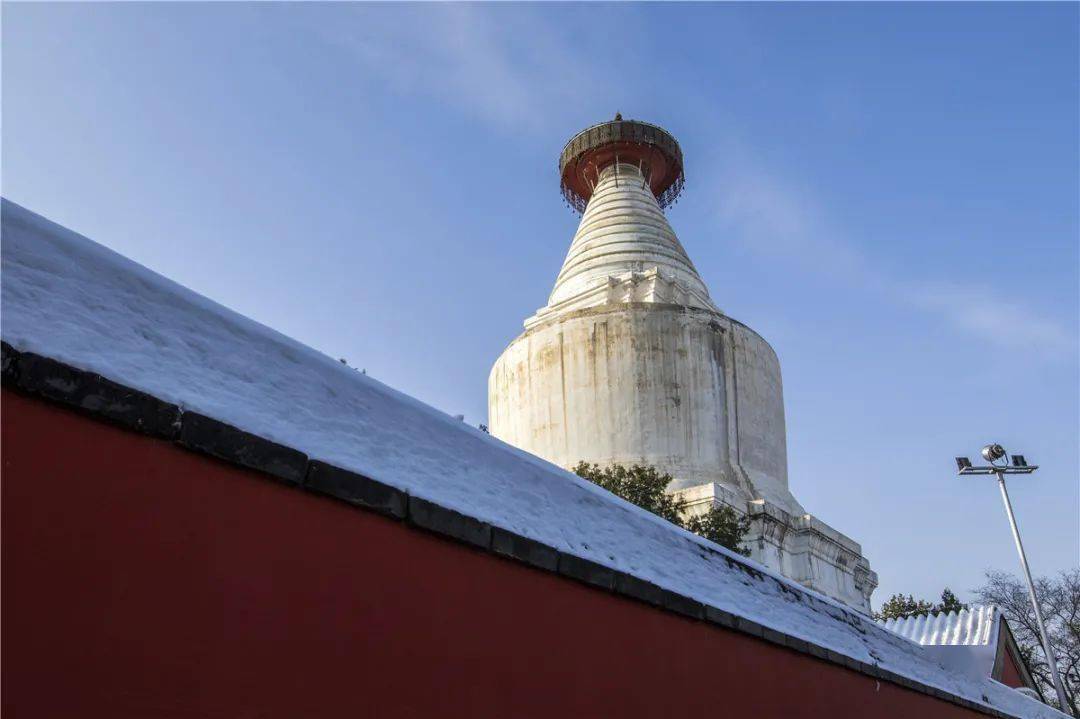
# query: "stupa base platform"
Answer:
x=801 y=547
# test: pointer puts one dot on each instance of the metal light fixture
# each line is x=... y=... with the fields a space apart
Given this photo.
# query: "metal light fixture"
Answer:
x=993 y=453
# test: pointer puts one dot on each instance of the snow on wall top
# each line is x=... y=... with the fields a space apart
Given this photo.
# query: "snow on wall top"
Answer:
x=976 y=625
x=75 y=301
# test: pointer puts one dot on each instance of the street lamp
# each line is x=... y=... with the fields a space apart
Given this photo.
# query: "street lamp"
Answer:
x=995 y=453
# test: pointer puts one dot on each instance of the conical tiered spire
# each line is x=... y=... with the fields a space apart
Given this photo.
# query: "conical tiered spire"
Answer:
x=625 y=251
x=623 y=230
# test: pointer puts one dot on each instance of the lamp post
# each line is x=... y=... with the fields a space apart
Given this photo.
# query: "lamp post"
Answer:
x=994 y=453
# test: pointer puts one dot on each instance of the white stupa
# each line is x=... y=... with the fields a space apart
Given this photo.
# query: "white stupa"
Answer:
x=631 y=362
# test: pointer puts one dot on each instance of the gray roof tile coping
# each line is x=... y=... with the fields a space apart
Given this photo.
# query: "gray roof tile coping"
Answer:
x=449 y=523
x=356 y=489
x=523 y=549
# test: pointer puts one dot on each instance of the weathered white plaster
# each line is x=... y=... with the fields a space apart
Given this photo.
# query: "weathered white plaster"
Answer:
x=631 y=362
x=799 y=546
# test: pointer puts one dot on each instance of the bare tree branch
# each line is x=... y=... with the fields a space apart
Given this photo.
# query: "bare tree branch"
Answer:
x=1060 y=599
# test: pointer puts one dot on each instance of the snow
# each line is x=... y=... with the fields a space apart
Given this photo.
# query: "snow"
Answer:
x=71 y=299
x=965 y=641
x=974 y=625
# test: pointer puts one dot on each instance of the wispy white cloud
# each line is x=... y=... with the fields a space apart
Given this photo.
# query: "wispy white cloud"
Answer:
x=512 y=70
x=983 y=313
x=786 y=221
x=782 y=220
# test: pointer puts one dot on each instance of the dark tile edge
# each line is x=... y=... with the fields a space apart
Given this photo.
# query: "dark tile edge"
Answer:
x=224 y=441
x=9 y=365
x=356 y=489
x=88 y=393
x=586 y=571
x=644 y=591
x=96 y=396
x=531 y=552
x=436 y=518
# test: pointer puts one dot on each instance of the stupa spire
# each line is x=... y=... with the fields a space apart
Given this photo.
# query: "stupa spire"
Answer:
x=621 y=174
x=625 y=239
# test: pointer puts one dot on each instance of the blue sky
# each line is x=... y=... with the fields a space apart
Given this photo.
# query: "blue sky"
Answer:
x=888 y=193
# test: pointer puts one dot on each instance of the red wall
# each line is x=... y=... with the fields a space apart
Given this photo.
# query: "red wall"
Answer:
x=1010 y=672
x=140 y=580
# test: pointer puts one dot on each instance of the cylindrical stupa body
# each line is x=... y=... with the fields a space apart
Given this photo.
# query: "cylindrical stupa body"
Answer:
x=631 y=362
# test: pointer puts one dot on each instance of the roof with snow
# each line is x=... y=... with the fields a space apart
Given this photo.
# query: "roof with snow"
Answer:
x=76 y=302
x=971 y=641
x=976 y=625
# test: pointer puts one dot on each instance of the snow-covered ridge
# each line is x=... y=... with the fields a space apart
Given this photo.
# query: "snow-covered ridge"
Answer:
x=75 y=301
x=965 y=641
x=971 y=626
